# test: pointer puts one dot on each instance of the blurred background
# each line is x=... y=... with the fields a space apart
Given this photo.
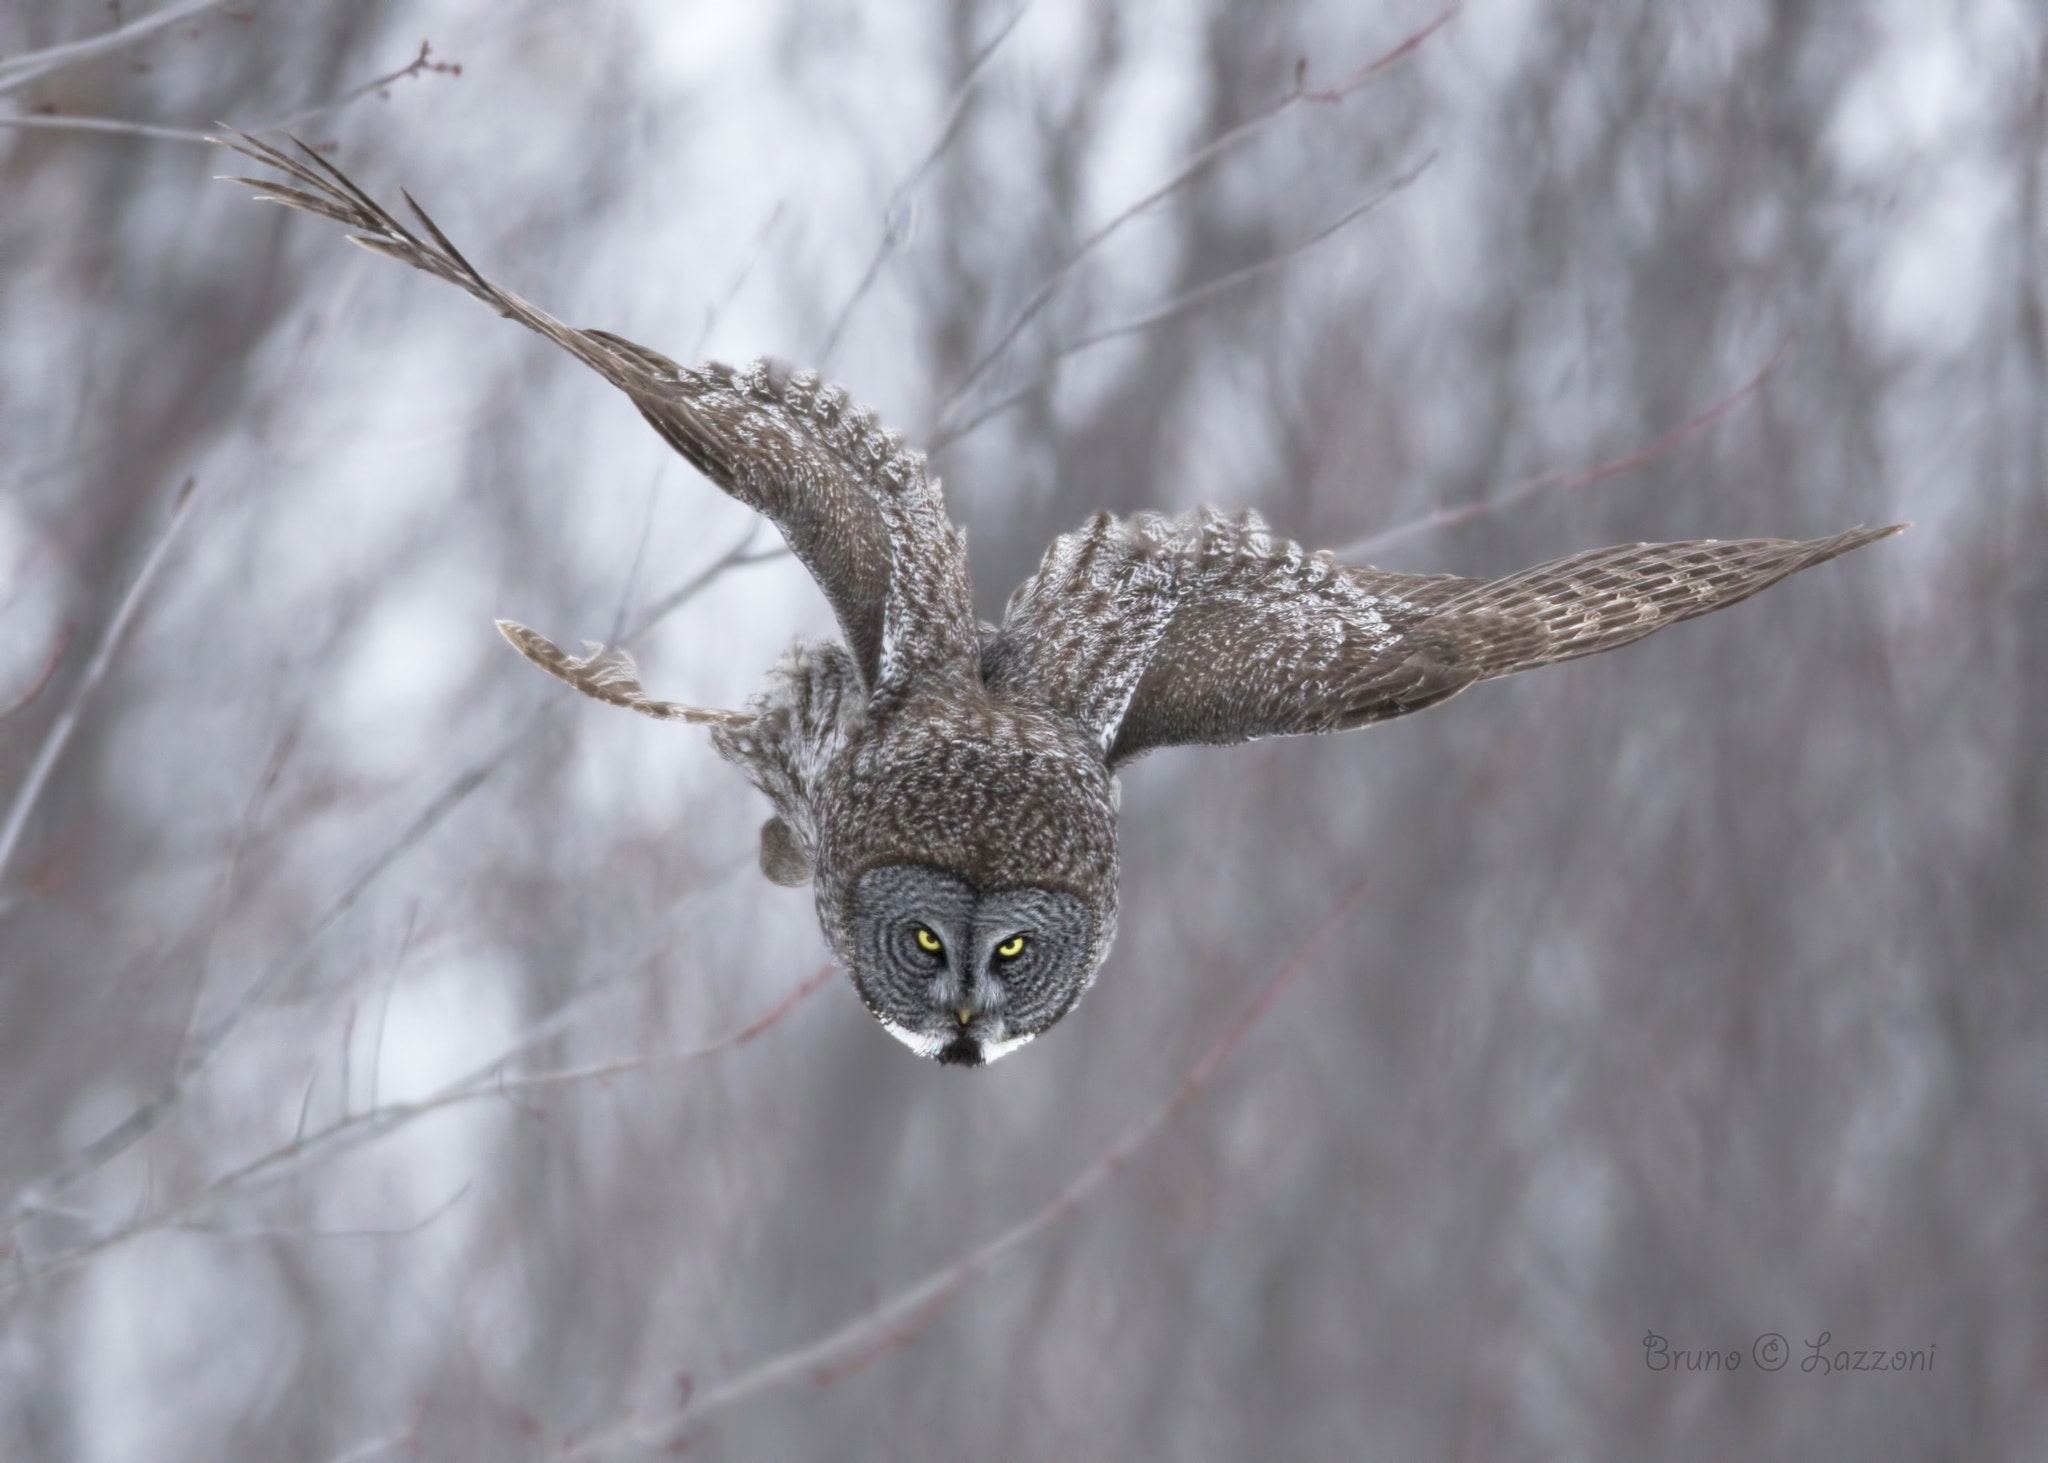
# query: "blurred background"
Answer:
x=1697 y=990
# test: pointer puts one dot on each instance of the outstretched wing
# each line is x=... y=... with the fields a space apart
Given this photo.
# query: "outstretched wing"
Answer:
x=1157 y=631
x=856 y=506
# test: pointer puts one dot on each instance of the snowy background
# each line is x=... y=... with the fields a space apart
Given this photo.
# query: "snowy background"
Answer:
x=1696 y=990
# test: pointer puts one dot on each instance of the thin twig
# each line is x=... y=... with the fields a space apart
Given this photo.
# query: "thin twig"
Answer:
x=898 y=1320
x=18 y=71
x=120 y=127
x=144 y=1119
x=895 y=218
x=1663 y=446
x=718 y=307
x=356 y=1129
x=377 y=1447
x=305 y=1103
x=1179 y=305
x=407 y=1438
x=115 y=126
x=151 y=1113
x=631 y=588
x=265 y=785
x=1299 y=94
x=283 y=1231
x=418 y=66
x=600 y=1071
x=35 y=687
x=412 y=915
x=738 y=556
x=199 y=1053
x=59 y=735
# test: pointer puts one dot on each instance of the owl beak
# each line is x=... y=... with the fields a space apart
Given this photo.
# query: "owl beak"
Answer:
x=965 y=1015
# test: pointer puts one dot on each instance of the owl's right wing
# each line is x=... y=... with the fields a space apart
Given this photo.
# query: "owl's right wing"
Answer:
x=1157 y=631
x=856 y=506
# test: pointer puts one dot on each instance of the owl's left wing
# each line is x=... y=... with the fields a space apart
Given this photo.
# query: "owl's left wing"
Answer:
x=1156 y=631
x=856 y=506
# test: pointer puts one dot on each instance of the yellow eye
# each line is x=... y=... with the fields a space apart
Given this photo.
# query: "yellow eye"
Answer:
x=1011 y=948
x=928 y=942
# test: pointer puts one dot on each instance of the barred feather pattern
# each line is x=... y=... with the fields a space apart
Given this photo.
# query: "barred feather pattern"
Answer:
x=1152 y=630
x=928 y=627
x=1602 y=599
x=608 y=674
x=1205 y=629
x=813 y=709
x=857 y=506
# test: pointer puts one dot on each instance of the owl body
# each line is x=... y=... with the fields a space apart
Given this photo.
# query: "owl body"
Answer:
x=949 y=788
x=987 y=794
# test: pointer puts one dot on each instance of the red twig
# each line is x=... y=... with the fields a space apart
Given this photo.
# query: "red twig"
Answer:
x=1681 y=434
x=22 y=702
x=1662 y=446
x=776 y=1012
x=603 y=1071
x=900 y=1335
x=897 y=1321
x=1359 y=78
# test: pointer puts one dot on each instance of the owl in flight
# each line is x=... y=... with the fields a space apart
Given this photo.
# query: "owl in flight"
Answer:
x=948 y=787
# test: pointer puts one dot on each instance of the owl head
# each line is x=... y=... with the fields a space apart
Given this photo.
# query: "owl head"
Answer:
x=966 y=876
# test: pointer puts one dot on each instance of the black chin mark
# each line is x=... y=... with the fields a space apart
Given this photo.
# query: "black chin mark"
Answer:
x=962 y=1051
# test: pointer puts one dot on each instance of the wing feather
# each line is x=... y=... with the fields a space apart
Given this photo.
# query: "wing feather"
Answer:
x=1156 y=631
x=857 y=506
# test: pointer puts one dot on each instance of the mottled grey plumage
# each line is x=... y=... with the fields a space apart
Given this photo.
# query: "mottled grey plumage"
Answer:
x=950 y=789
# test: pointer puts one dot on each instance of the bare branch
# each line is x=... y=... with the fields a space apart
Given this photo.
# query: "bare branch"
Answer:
x=244 y=829
x=898 y=1320
x=418 y=66
x=1663 y=446
x=738 y=556
x=1193 y=166
x=199 y=1053
x=599 y=1071
x=114 y=126
x=356 y=1129
x=284 y=1231
x=59 y=735
x=1201 y=294
x=120 y=127
x=150 y=1114
x=895 y=214
x=18 y=71
x=719 y=306
x=35 y=687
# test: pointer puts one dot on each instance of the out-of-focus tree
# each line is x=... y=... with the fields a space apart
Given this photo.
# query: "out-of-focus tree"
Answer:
x=372 y=1079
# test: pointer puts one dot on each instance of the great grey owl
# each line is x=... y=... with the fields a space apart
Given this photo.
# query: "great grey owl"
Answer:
x=948 y=787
